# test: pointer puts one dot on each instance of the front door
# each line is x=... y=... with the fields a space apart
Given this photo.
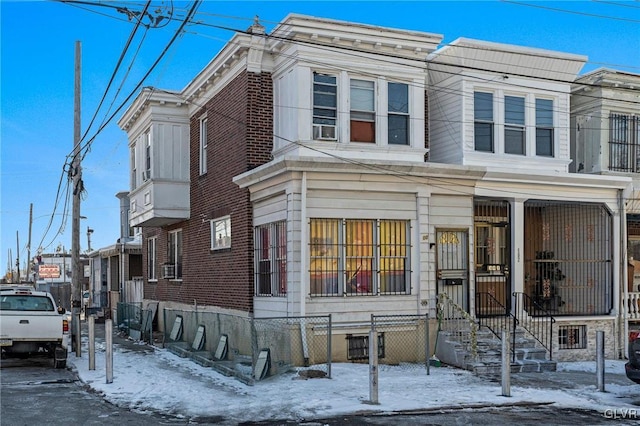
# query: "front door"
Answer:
x=453 y=265
x=492 y=257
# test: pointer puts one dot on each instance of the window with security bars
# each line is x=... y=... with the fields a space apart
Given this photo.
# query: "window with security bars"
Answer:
x=358 y=347
x=359 y=257
x=624 y=138
x=270 y=242
x=572 y=337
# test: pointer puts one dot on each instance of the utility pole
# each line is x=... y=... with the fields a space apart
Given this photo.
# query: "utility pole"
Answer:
x=76 y=175
x=18 y=256
x=29 y=244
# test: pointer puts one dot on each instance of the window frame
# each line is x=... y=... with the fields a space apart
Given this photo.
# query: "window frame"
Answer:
x=147 y=153
x=515 y=126
x=323 y=124
x=546 y=127
x=484 y=122
x=347 y=257
x=134 y=172
x=362 y=122
x=218 y=240
x=152 y=259
x=175 y=252
x=393 y=113
x=203 y=144
x=270 y=257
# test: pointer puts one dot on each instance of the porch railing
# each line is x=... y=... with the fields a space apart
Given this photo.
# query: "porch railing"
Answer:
x=457 y=322
x=535 y=319
x=632 y=305
x=496 y=317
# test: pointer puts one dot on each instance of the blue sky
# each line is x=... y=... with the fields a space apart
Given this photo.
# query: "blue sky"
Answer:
x=37 y=81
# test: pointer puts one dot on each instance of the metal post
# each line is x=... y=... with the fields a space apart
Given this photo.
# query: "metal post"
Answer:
x=506 y=365
x=329 y=348
x=92 y=342
x=600 y=359
x=373 y=366
x=428 y=343
x=78 y=334
x=108 y=336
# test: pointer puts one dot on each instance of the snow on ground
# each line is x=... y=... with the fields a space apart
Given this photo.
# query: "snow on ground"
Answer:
x=163 y=382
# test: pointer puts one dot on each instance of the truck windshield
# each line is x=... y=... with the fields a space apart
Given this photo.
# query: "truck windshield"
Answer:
x=19 y=302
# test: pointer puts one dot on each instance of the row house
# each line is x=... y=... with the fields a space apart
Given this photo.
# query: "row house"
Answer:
x=605 y=126
x=331 y=167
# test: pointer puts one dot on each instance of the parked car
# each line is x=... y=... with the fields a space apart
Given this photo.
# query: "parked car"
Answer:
x=632 y=368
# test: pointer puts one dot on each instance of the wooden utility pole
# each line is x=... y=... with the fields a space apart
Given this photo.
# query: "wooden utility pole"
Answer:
x=76 y=175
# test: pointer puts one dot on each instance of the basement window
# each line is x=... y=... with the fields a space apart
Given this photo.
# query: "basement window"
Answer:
x=358 y=347
x=572 y=337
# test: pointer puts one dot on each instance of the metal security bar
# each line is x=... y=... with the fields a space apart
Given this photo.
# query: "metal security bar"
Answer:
x=624 y=135
x=569 y=257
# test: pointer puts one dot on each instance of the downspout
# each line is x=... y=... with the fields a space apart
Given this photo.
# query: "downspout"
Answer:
x=304 y=238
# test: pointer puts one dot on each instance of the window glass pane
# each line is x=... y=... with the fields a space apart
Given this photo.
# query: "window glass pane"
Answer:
x=398 y=97
x=514 y=140
x=323 y=78
x=324 y=99
x=544 y=112
x=362 y=98
x=514 y=110
x=483 y=137
x=359 y=249
x=544 y=142
x=398 y=129
x=324 y=256
x=483 y=106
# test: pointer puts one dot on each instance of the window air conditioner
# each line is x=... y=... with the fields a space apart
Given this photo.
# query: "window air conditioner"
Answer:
x=168 y=270
x=324 y=132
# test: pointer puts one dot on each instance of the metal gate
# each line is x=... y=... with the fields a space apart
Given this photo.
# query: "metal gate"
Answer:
x=492 y=257
x=453 y=265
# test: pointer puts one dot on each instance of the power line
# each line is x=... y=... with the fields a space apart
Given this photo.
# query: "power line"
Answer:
x=554 y=9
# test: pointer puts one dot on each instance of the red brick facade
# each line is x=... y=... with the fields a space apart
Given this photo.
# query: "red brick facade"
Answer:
x=240 y=138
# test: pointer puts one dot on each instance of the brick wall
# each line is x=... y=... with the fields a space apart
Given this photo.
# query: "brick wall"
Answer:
x=240 y=138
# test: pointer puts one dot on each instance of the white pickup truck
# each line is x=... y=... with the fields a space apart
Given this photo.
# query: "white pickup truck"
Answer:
x=32 y=325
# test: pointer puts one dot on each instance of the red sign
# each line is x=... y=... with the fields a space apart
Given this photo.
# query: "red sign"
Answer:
x=49 y=271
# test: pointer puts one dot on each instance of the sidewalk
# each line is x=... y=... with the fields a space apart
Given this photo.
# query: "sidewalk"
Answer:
x=154 y=379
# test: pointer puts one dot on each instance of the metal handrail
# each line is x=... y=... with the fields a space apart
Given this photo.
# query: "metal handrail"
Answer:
x=535 y=319
x=453 y=319
x=496 y=317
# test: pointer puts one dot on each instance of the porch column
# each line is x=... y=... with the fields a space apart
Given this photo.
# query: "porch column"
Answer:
x=517 y=245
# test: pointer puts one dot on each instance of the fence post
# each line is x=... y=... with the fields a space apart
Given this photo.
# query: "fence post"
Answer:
x=92 y=342
x=329 y=348
x=108 y=335
x=506 y=365
x=427 y=349
x=600 y=359
x=373 y=364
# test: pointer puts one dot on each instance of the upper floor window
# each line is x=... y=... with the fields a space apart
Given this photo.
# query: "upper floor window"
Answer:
x=363 y=112
x=132 y=159
x=398 y=119
x=483 y=121
x=359 y=257
x=174 y=252
x=544 y=127
x=152 y=253
x=147 y=157
x=514 y=130
x=624 y=141
x=270 y=242
x=221 y=233
x=203 y=146
x=325 y=106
